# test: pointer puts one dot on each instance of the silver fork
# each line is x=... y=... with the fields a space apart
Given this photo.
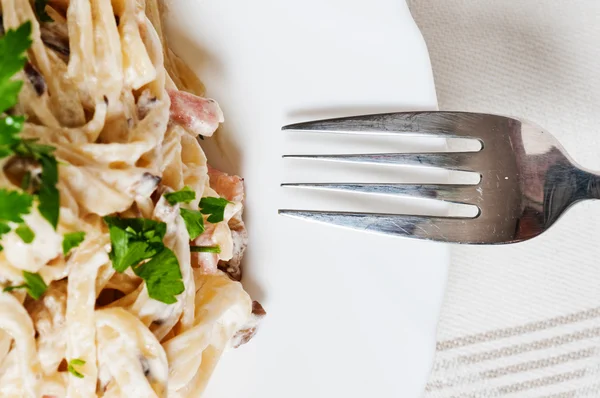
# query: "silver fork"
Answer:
x=527 y=178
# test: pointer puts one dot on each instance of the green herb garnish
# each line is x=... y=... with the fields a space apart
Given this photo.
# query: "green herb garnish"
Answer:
x=137 y=239
x=194 y=222
x=26 y=181
x=186 y=195
x=205 y=249
x=34 y=284
x=13 y=47
x=25 y=233
x=14 y=205
x=162 y=276
x=48 y=193
x=134 y=240
x=214 y=207
x=71 y=241
x=71 y=367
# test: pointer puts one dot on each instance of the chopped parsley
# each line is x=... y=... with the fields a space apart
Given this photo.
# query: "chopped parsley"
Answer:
x=10 y=127
x=4 y=229
x=13 y=47
x=194 y=222
x=71 y=241
x=186 y=195
x=214 y=207
x=13 y=205
x=34 y=284
x=134 y=240
x=25 y=233
x=26 y=181
x=71 y=367
x=205 y=249
x=162 y=276
x=48 y=193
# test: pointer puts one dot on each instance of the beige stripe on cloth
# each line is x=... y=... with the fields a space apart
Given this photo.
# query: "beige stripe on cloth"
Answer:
x=522 y=320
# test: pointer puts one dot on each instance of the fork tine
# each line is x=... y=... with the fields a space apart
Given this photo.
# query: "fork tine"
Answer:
x=443 y=229
x=455 y=193
x=447 y=124
x=462 y=161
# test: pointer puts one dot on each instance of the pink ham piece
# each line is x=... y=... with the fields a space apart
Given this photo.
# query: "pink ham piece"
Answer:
x=231 y=187
x=199 y=116
x=206 y=262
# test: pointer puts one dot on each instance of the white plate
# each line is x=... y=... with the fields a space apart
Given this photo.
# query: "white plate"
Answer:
x=349 y=314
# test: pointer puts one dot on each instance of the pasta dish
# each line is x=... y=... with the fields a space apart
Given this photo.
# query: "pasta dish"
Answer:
x=120 y=246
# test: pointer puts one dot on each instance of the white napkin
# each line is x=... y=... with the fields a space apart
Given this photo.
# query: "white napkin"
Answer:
x=522 y=320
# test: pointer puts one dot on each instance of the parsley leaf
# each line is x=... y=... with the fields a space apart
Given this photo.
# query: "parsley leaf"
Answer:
x=71 y=367
x=40 y=11
x=13 y=46
x=186 y=195
x=162 y=276
x=25 y=233
x=137 y=239
x=205 y=249
x=11 y=288
x=48 y=194
x=10 y=126
x=26 y=181
x=30 y=148
x=72 y=240
x=215 y=207
x=4 y=228
x=194 y=222
x=13 y=205
x=34 y=284
x=134 y=240
x=49 y=206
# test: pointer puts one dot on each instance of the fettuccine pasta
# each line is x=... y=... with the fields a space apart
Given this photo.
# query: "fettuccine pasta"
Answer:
x=125 y=118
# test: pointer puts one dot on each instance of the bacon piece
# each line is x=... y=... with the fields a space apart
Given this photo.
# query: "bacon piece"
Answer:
x=199 y=116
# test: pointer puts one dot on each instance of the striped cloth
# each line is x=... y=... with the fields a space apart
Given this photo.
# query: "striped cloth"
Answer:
x=522 y=320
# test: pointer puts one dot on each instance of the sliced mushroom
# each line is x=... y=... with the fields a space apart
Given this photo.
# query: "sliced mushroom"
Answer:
x=36 y=79
x=23 y=172
x=56 y=37
x=249 y=330
x=48 y=315
x=146 y=185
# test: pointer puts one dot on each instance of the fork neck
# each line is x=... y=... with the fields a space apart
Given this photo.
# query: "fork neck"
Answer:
x=569 y=184
x=565 y=185
x=590 y=183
